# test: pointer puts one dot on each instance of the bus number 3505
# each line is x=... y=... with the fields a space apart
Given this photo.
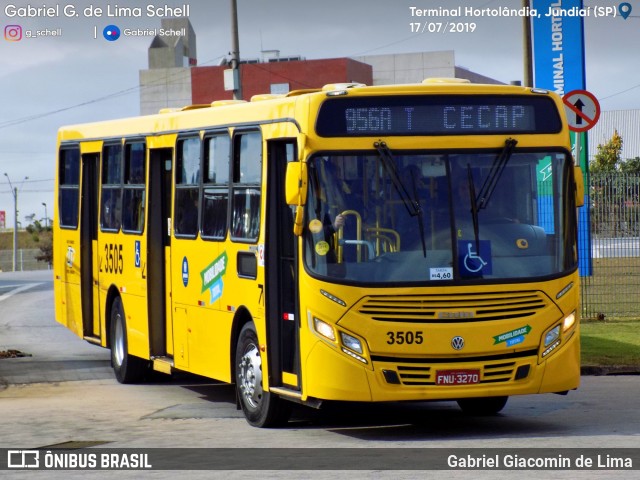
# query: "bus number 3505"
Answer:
x=113 y=262
x=408 y=338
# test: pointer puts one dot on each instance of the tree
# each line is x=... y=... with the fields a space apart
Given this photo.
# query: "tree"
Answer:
x=37 y=230
x=631 y=166
x=46 y=253
x=608 y=157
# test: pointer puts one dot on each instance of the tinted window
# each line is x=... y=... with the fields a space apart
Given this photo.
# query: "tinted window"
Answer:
x=187 y=187
x=111 y=199
x=215 y=198
x=134 y=188
x=247 y=177
x=69 y=188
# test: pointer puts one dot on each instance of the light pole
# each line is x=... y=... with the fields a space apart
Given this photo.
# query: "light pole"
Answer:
x=46 y=219
x=235 y=50
x=14 y=192
x=526 y=39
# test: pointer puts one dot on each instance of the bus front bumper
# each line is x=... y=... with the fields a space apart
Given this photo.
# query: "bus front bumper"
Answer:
x=331 y=375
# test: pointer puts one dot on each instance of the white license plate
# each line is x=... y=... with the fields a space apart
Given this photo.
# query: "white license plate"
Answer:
x=457 y=377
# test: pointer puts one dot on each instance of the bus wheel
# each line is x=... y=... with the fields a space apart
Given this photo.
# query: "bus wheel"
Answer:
x=261 y=409
x=127 y=368
x=482 y=406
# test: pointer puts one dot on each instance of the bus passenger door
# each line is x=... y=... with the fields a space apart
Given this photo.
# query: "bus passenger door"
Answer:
x=283 y=317
x=158 y=251
x=89 y=264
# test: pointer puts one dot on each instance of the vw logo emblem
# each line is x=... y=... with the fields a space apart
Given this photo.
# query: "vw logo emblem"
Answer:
x=457 y=343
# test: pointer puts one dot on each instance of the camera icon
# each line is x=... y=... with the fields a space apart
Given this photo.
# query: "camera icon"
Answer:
x=13 y=33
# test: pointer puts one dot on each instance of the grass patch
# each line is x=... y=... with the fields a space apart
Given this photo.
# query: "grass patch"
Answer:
x=611 y=343
x=26 y=240
x=613 y=290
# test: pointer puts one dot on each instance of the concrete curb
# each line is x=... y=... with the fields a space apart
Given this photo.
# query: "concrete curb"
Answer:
x=598 y=370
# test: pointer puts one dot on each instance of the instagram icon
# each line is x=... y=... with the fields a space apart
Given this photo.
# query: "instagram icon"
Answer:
x=13 y=33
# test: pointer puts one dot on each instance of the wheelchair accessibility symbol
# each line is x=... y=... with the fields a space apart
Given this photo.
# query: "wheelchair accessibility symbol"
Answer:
x=474 y=261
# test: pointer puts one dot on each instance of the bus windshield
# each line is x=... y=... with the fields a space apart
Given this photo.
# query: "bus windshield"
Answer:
x=379 y=218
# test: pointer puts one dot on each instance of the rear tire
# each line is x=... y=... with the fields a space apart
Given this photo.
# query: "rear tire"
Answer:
x=127 y=368
x=482 y=406
x=260 y=408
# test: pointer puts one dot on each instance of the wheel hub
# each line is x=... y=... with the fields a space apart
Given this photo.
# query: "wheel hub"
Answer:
x=118 y=347
x=250 y=376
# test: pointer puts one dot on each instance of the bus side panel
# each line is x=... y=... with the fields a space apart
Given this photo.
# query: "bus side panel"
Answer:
x=180 y=338
x=188 y=258
x=59 y=300
x=202 y=324
x=208 y=333
x=59 y=289
x=135 y=310
x=117 y=260
x=67 y=274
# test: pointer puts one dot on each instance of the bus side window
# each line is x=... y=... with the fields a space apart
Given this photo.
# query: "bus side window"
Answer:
x=187 y=187
x=215 y=198
x=133 y=194
x=247 y=179
x=69 y=174
x=111 y=198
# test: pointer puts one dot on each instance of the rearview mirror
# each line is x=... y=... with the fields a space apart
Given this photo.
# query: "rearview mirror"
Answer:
x=296 y=183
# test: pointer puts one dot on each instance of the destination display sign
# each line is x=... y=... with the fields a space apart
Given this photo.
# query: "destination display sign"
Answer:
x=437 y=115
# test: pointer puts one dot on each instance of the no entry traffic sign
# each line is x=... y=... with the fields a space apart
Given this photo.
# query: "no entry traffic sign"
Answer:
x=582 y=108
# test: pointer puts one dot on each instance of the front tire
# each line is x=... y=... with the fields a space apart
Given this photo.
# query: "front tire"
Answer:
x=482 y=406
x=260 y=408
x=127 y=368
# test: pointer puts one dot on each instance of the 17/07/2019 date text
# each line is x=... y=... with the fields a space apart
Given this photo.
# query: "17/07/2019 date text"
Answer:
x=442 y=27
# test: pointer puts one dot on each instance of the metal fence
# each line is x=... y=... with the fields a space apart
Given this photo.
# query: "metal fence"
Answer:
x=25 y=260
x=613 y=289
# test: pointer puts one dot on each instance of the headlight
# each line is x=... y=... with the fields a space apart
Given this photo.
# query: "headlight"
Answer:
x=551 y=340
x=351 y=342
x=569 y=322
x=551 y=336
x=324 y=329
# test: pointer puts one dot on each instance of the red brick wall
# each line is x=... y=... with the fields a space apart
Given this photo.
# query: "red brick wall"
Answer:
x=207 y=83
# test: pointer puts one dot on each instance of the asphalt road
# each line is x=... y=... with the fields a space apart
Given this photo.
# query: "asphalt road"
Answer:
x=64 y=391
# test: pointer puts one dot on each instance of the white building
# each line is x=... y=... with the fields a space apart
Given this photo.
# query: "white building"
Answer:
x=626 y=122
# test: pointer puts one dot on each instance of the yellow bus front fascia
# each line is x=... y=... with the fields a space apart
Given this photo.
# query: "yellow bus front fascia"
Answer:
x=331 y=374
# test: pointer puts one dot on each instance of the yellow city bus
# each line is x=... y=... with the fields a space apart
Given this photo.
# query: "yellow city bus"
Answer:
x=349 y=243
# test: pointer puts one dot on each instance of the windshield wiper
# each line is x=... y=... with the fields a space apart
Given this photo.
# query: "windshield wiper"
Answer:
x=412 y=204
x=480 y=201
x=499 y=163
x=474 y=207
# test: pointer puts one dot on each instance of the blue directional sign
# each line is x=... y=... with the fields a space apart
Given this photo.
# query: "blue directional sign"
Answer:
x=558 y=65
x=558 y=46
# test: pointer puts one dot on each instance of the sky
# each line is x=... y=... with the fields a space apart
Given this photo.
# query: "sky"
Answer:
x=47 y=82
